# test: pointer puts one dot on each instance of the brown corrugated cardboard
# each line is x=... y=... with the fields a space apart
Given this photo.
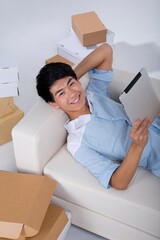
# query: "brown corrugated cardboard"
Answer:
x=7 y=122
x=89 y=28
x=6 y=106
x=58 y=58
x=53 y=224
x=23 y=203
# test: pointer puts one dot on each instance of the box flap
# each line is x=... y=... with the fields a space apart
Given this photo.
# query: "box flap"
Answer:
x=14 y=232
x=53 y=224
x=24 y=200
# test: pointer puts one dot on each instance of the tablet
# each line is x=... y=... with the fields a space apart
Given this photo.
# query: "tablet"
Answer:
x=139 y=98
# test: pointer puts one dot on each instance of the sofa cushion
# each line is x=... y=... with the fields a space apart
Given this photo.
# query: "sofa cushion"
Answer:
x=138 y=206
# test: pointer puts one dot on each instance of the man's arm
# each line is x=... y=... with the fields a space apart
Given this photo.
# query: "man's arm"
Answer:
x=100 y=58
x=125 y=172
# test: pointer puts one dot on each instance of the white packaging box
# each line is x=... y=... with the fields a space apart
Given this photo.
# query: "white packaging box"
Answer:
x=71 y=48
x=9 y=78
x=9 y=90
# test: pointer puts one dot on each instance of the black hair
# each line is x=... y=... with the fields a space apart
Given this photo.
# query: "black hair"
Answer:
x=48 y=75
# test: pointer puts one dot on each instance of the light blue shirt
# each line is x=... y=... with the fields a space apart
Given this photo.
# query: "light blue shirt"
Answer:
x=99 y=141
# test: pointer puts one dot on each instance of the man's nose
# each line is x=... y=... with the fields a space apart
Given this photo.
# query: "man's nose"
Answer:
x=69 y=92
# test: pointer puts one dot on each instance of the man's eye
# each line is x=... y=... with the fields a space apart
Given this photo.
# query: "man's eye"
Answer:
x=71 y=84
x=61 y=94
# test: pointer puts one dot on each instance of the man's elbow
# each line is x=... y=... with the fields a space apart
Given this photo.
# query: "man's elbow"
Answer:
x=119 y=185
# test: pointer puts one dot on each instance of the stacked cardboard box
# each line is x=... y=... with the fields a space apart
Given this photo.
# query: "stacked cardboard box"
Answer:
x=89 y=28
x=86 y=34
x=9 y=113
x=25 y=208
x=58 y=58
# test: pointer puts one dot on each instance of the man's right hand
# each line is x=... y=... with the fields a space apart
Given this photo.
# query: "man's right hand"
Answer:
x=139 y=132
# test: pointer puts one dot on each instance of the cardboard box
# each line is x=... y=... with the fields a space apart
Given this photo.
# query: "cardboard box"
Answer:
x=89 y=28
x=7 y=122
x=6 y=106
x=58 y=58
x=9 y=78
x=53 y=224
x=24 y=201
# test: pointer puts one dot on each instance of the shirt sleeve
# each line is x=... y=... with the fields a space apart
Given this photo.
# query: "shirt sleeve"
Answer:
x=99 y=81
x=98 y=165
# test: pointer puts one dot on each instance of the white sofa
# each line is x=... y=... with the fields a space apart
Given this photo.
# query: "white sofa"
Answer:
x=39 y=141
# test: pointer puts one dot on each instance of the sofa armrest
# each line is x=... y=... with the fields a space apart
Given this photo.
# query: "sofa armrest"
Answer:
x=38 y=136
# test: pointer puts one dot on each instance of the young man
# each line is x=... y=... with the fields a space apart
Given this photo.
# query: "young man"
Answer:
x=100 y=135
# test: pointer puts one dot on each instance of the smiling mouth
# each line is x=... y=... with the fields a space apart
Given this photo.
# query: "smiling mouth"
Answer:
x=75 y=100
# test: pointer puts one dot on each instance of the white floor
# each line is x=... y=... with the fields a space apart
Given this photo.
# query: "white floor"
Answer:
x=76 y=233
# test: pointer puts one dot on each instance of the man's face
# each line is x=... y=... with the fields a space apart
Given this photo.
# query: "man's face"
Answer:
x=68 y=95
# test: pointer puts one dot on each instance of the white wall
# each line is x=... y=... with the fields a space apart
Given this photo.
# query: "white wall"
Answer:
x=29 y=30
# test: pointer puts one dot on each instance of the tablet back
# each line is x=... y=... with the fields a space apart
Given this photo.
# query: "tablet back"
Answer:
x=139 y=98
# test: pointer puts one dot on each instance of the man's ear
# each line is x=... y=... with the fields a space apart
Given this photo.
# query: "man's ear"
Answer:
x=53 y=104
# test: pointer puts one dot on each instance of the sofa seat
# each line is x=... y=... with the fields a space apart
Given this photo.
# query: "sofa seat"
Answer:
x=138 y=206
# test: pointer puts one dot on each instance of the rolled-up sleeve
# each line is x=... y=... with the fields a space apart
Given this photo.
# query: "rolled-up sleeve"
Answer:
x=99 y=81
x=98 y=165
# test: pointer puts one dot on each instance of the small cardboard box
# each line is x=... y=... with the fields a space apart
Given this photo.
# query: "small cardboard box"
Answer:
x=7 y=122
x=58 y=58
x=89 y=28
x=6 y=106
x=24 y=200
